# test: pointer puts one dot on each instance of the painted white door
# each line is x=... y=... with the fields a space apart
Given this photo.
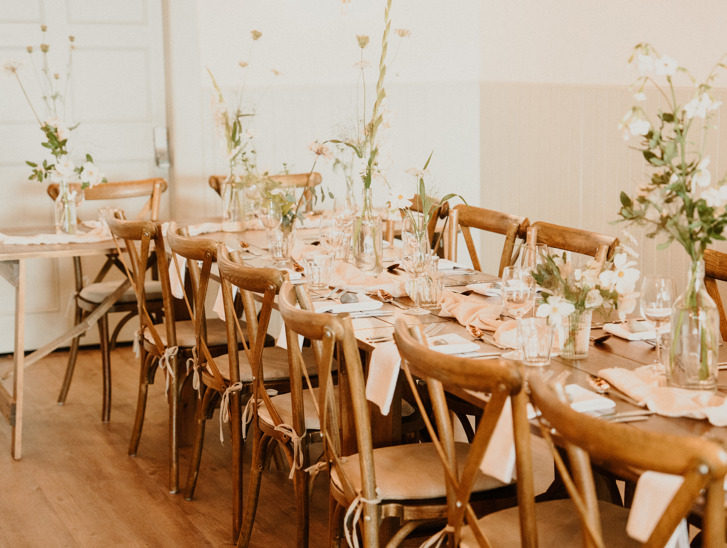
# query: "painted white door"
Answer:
x=116 y=94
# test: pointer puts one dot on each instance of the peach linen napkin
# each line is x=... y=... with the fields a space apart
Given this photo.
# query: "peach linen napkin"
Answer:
x=654 y=492
x=649 y=390
x=352 y=279
x=99 y=233
x=470 y=311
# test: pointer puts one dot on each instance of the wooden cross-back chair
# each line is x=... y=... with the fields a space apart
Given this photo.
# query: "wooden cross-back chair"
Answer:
x=89 y=297
x=168 y=344
x=576 y=240
x=276 y=421
x=463 y=218
x=701 y=463
x=715 y=269
x=306 y=181
x=373 y=483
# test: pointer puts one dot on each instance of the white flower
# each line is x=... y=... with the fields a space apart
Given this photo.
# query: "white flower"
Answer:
x=702 y=176
x=418 y=173
x=645 y=63
x=65 y=170
x=623 y=125
x=640 y=97
x=397 y=200
x=665 y=66
x=627 y=304
x=700 y=106
x=622 y=277
x=594 y=299
x=11 y=66
x=91 y=174
x=639 y=127
x=555 y=309
x=320 y=149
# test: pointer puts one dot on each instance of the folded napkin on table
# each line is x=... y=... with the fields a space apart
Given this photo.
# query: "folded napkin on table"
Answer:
x=98 y=233
x=352 y=279
x=470 y=311
x=364 y=304
x=585 y=401
x=383 y=373
x=648 y=389
x=488 y=289
x=633 y=330
x=301 y=249
x=654 y=492
x=446 y=264
x=451 y=343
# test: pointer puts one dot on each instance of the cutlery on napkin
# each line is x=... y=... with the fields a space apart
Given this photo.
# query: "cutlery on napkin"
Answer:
x=363 y=304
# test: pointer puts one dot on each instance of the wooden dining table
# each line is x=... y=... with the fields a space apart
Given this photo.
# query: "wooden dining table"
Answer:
x=13 y=268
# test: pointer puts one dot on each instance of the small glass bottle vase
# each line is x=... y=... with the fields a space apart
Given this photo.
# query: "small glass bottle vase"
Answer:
x=233 y=206
x=575 y=335
x=368 y=240
x=693 y=350
x=66 y=204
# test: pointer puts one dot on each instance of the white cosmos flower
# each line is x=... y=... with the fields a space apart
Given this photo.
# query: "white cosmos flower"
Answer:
x=627 y=304
x=622 y=277
x=702 y=176
x=700 y=106
x=91 y=174
x=397 y=200
x=639 y=127
x=666 y=66
x=65 y=170
x=594 y=299
x=555 y=309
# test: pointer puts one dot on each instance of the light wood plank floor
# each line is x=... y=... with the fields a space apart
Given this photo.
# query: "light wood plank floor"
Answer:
x=76 y=485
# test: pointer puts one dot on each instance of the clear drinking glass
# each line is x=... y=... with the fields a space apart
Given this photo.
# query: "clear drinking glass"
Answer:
x=331 y=232
x=270 y=214
x=657 y=298
x=518 y=295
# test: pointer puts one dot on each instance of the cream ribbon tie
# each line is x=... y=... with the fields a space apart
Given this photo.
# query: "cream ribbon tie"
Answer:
x=165 y=363
x=353 y=515
x=437 y=538
x=296 y=440
x=138 y=334
x=193 y=362
x=225 y=406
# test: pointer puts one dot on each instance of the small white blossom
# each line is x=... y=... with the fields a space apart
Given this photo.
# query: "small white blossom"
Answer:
x=91 y=174
x=645 y=63
x=555 y=309
x=623 y=277
x=700 y=106
x=398 y=200
x=627 y=304
x=594 y=299
x=65 y=170
x=666 y=66
x=639 y=126
x=702 y=176
x=640 y=97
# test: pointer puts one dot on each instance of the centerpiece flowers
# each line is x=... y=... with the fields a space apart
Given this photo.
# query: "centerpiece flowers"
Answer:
x=570 y=294
x=680 y=202
x=368 y=228
x=58 y=166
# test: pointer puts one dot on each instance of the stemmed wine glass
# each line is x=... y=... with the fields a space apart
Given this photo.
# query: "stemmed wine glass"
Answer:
x=532 y=256
x=518 y=295
x=331 y=232
x=657 y=299
x=270 y=214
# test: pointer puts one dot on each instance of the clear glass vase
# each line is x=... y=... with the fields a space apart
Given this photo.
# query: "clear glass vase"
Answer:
x=66 y=206
x=693 y=350
x=575 y=335
x=233 y=205
x=368 y=240
x=280 y=242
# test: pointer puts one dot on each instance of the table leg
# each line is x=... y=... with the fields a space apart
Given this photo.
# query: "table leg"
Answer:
x=18 y=361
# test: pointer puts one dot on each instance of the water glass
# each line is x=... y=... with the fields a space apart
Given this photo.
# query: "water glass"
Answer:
x=536 y=341
x=319 y=269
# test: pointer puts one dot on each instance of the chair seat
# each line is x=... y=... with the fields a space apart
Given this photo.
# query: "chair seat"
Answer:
x=216 y=333
x=96 y=293
x=557 y=523
x=284 y=406
x=399 y=476
x=275 y=364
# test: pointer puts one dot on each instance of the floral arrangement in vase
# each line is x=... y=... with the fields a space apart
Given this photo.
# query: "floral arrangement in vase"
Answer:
x=680 y=201
x=366 y=145
x=232 y=124
x=58 y=165
x=570 y=294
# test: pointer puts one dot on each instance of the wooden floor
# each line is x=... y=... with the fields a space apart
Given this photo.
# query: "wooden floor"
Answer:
x=76 y=485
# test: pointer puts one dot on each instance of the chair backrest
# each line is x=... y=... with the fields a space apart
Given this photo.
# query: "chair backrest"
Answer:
x=252 y=282
x=576 y=240
x=333 y=335
x=305 y=181
x=464 y=217
x=701 y=463
x=502 y=380
x=111 y=191
x=715 y=268
x=144 y=246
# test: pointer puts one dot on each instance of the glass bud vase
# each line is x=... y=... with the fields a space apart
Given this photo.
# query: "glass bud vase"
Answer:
x=575 y=335
x=233 y=205
x=368 y=240
x=693 y=350
x=66 y=204
x=280 y=242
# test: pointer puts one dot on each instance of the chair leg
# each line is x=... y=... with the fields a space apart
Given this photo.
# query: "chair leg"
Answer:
x=146 y=361
x=237 y=463
x=259 y=448
x=73 y=354
x=203 y=406
x=335 y=522
x=103 y=334
x=300 y=481
x=173 y=402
